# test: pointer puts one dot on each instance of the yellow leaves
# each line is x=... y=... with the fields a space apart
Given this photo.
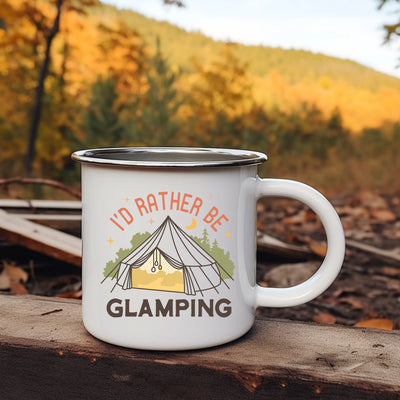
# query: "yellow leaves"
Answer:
x=122 y=56
x=360 y=108
x=52 y=146
x=223 y=85
x=325 y=82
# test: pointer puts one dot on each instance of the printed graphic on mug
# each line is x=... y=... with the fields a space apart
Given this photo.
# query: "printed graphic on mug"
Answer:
x=169 y=258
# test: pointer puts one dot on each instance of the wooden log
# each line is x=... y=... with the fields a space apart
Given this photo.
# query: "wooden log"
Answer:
x=45 y=352
x=42 y=239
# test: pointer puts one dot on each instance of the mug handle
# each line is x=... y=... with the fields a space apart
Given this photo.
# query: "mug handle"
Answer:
x=330 y=267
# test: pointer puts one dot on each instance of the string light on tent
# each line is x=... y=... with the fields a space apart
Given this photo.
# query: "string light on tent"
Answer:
x=156 y=261
x=159 y=264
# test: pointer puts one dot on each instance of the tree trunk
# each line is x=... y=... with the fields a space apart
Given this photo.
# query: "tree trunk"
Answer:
x=39 y=92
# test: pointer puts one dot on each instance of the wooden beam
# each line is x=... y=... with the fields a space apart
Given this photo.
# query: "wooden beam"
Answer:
x=45 y=352
x=41 y=204
x=42 y=239
x=70 y=223
x=51 y=217
x=392 y=255
x=270 y=245
x=57 y=214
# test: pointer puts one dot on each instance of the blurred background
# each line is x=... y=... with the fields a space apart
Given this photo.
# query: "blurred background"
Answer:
x=312 y=84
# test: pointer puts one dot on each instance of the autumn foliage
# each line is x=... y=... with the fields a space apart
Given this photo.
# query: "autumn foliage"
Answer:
x=108 y=84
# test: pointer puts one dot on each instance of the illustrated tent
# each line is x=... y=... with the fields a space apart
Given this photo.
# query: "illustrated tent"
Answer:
x=200 y=271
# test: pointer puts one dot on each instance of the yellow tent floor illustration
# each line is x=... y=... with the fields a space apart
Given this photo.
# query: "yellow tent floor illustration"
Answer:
x=169 y=260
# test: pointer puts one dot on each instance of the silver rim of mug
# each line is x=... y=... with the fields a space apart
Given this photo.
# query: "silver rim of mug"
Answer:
x=153 y=157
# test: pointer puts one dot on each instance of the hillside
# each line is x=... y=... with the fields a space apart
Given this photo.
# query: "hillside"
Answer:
x=294 y=65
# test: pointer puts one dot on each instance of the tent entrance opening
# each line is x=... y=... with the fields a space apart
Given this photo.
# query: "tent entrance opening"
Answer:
x=157 y=274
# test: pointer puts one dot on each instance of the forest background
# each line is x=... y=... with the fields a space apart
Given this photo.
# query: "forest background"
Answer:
x=78 y=74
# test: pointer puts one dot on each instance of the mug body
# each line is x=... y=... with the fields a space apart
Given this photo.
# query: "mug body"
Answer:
x=168 y=249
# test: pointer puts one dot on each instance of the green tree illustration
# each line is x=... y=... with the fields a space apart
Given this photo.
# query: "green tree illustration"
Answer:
x=225 y=264
x=204 y=241
x=136 y=241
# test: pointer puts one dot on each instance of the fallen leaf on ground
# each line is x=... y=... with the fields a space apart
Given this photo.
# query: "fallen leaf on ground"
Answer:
x=354 y=303
x=372 y=200
x=293 y=237
x=396 y=201
x=71 y=295
x=12 y=275
x=391 y=271
x=359 y=234
x=392 y=233
x=345 y=291
x=324 y=318
x=296 y=219
x=383 y=215
x=260 y=207
x=260 y=225
x=377 y=323
x=355 y=212
x=310 y=215
x=318 y=248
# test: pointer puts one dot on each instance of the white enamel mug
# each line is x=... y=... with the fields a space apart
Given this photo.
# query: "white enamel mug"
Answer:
x=169 y=245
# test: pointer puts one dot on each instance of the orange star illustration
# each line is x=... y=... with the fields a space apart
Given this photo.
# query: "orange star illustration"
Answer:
x=110 y=240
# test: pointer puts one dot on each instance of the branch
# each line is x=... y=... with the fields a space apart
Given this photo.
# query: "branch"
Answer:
x=39 y=93
x=40 y=181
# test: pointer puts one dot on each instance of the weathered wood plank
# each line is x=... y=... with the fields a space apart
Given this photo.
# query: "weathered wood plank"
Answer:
x=271 y=245
x=40 y=204
x=385 y=254
x=51 y=217
x=57 y=214
x=51 y=242
x=46 y=353
x=69 y=223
